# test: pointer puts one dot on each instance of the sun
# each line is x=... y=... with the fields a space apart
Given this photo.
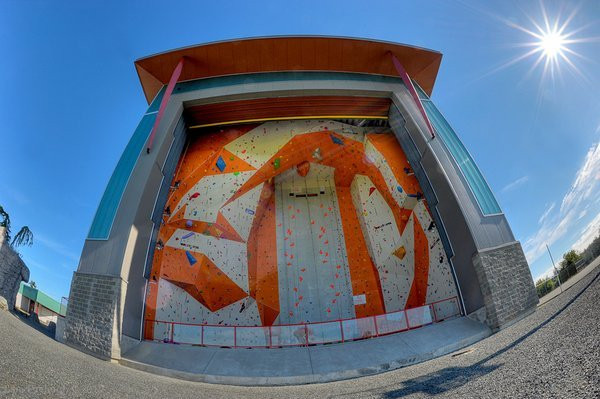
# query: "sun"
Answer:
x=552 y=44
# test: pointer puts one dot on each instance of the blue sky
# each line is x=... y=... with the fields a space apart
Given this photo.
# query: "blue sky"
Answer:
x=71 y=99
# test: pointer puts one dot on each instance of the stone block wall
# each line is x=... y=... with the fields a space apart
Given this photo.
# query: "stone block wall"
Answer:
x=12 y=271
x=92 y=314
x=506 y=284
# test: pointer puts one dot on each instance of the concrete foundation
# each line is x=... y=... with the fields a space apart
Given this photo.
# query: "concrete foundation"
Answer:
x=59 y=333
x=506 y=284
x=92 y=322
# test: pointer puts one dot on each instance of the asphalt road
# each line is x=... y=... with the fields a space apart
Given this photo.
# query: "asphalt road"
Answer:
x=553 y=353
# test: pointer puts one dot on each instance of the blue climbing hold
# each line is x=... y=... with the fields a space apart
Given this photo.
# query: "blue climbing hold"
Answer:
x=191 y=258
x=399 y=188
x=336 y=140
x=221 y=164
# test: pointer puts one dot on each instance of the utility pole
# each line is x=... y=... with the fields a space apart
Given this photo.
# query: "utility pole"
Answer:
x=555 y=271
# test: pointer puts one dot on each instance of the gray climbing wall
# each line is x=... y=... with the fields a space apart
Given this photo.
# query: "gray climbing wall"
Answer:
x=314 y=280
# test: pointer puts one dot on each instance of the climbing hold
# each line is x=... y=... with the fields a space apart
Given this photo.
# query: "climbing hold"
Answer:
x=371 y=190
x=336 y=140
x=189 y=223
x=317 y=154
x=191 y=258
x=277 y=163
x=221 y=164
x=188 y=235
x=195 y=195
x=400 y=252
x=303 y=168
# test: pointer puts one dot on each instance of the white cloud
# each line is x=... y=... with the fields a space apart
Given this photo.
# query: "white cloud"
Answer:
x=512 y=185
x=546 y=213
x=554 y=224
x=549 y=272
x=588 y=234
x=586 y=180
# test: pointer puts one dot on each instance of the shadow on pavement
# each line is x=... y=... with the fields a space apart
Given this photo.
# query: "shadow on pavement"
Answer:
x=441 y=381
x=33 y=322
x=455 y=377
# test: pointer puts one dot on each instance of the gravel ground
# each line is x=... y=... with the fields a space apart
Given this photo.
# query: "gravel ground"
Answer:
x=554 y=353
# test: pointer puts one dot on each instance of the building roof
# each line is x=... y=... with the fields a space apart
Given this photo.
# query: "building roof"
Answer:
x=288 y=53
x=40 y=297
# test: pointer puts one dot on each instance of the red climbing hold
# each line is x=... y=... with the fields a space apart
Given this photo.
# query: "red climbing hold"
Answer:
x=303 y=168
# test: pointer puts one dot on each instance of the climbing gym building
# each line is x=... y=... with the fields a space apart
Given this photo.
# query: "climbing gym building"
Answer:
x=292 y=191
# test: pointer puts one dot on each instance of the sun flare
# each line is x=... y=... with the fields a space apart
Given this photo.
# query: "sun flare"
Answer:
x=552 y=44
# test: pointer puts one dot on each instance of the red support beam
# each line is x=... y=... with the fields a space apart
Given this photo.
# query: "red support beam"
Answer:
x=165 y=100
x=411 y=88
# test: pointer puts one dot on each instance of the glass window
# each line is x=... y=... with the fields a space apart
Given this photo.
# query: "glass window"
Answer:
x=481 y=190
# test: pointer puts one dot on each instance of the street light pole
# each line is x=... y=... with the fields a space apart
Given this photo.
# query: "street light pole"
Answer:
x=555 y=271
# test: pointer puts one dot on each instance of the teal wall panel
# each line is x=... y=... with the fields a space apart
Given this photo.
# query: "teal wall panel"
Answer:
x=107 y=209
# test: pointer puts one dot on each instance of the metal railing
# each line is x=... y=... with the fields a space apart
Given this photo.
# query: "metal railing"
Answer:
x=303 y=334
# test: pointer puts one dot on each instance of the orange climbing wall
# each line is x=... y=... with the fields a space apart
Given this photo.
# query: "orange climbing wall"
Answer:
x=294 y=221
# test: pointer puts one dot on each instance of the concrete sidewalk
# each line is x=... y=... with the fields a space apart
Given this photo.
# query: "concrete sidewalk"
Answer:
x=302 y=365
x=570 y=282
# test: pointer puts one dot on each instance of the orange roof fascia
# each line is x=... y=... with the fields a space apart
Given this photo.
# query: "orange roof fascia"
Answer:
x=288 y=53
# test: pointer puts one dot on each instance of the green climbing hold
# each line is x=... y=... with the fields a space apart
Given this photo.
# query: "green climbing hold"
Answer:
x=277 y=163
x=236 y=173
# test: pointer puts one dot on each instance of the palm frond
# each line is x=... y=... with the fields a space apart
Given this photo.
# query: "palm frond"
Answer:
x=23 y=237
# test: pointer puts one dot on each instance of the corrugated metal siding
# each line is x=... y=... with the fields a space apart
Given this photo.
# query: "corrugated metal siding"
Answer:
x=398 y=125
x=168 y=171
x=255 y=78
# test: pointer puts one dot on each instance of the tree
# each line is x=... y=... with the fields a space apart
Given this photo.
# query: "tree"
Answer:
x=24 y=235
x=5 y=222
x=544 y=286
x=567 y=265
x=570 y=258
